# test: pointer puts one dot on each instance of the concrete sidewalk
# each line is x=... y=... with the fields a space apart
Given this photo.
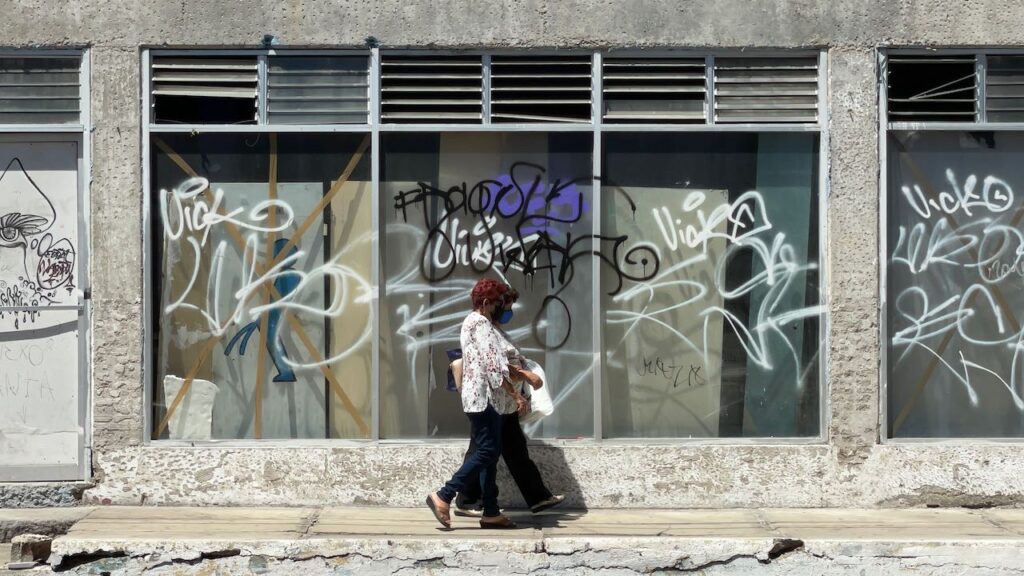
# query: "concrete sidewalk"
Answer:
x=351 y=540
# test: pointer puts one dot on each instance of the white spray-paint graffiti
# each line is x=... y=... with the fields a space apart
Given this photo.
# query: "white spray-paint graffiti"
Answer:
x=497 y=227
x=961 y=257
x=743 y=224
x=187 y=214
x=476 y=228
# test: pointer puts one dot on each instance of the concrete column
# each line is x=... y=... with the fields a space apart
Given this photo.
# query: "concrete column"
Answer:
x=116 y=249
x=852 y=256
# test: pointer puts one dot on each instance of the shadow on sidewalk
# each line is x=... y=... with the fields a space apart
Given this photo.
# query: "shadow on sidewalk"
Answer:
x=557 y=476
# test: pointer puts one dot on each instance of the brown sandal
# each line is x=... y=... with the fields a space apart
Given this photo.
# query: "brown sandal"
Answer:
x=499 y=522
x=440 y=510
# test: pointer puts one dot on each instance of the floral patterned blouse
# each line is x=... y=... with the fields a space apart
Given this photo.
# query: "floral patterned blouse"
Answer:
x=484 y=365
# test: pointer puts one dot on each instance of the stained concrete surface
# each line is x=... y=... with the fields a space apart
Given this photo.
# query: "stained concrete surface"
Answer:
x=370 y=540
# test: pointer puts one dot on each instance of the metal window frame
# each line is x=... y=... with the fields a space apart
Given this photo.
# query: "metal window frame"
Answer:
x=981 y=92
x=81 y=134
x=885 y=128
x=263 y=57
x=596 y=126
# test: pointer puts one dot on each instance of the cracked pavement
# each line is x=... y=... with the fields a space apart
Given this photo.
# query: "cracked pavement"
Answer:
x=367 y=540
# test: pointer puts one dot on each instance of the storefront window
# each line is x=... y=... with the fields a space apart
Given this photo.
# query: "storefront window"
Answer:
x=954 y=290
x=263 y=247
x=724 y=338
x=457 y=206
x=305 y=284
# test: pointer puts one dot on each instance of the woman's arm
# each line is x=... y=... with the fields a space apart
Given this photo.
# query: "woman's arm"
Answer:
x=531 y=377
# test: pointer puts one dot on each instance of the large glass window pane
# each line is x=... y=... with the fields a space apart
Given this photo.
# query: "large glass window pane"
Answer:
x=262 y=249
x=723 y=338
x=457 y=207
x=954 y=290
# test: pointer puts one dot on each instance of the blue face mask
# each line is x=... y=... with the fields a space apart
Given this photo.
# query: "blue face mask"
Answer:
x=505 y=317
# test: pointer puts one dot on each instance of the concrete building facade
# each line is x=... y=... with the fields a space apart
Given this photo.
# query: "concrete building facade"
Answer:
x=869 y=312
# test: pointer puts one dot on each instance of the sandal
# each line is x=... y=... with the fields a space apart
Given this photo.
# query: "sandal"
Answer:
x=440 y=510
x=499 y=522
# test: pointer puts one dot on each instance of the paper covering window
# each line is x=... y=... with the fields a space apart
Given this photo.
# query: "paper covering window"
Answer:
x=200 y=90
x=431 y=89
x=39 y=90
x=540 y=88
x=317 y=90
x=932 y=88
x=654 y=90
x=766 y=90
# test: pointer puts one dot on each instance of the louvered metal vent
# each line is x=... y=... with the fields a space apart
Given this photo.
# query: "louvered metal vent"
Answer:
x=766 y=89
x=931 y=88
x=39 y=91
x=1004 y=89
x=654 y=89
x=431 y=89
x=317 y=90
x=205 y=90
x=540 y=88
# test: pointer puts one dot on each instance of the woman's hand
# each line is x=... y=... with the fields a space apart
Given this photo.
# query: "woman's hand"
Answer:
x=515 y=373
x=531 y=377
x=522 y=405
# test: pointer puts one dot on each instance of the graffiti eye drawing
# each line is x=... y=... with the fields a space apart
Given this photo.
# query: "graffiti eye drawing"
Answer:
x=33 y=264
x=14 y=227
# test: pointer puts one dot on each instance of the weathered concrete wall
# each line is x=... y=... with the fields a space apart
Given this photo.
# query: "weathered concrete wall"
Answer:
x=852 y=469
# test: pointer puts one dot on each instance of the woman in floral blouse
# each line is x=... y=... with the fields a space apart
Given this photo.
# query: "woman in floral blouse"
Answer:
x=485 y=384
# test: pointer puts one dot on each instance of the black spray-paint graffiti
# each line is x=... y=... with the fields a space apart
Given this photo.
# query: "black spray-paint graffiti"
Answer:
x=519 y=222
x=39 y=265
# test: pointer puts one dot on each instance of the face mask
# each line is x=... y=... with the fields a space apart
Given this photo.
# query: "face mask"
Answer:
x=505 y=316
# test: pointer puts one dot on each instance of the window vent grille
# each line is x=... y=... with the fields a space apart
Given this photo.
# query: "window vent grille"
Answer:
x=932 y=88
x=654 y=89
x=205 y=90
x=432 y=89
x=541 y=88
x=317 y=90
x=39 y=91
x=1004 y=89
x=766 y=89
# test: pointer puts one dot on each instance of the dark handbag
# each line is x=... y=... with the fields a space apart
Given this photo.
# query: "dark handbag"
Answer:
x=453 y=355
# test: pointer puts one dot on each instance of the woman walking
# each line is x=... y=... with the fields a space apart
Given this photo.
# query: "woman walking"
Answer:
x=514 y=449
x=485 y=385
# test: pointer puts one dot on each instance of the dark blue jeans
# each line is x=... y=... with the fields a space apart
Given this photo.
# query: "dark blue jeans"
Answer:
x=485 y=430
x=517 y=457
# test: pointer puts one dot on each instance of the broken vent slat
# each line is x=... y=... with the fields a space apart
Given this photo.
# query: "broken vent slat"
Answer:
x=932 y=88
x=204 y=90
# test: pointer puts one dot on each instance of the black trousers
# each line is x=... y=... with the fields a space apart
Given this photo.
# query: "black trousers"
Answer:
x=517 y=457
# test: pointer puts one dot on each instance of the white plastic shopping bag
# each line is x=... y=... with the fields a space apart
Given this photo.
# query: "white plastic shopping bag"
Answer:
x=541 y=404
